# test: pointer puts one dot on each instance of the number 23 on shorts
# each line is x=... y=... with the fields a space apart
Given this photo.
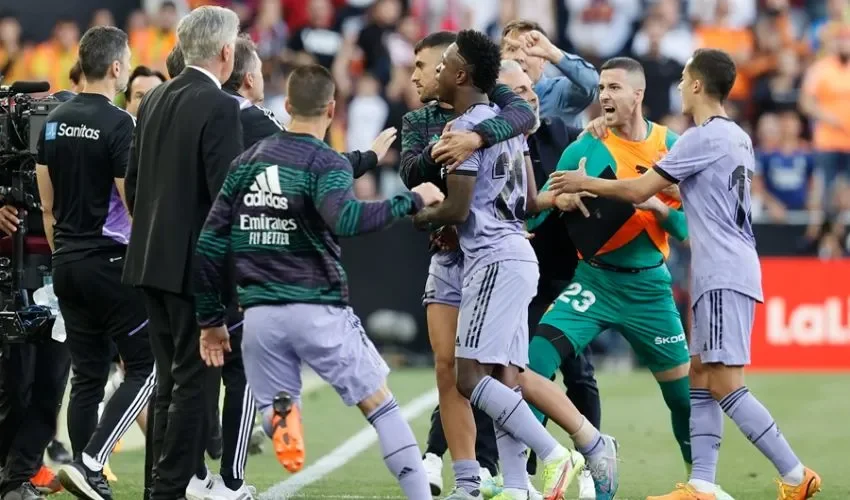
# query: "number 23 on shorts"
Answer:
x=578 y=298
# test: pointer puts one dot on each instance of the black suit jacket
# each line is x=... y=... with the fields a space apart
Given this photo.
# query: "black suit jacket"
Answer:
x=555 y=251
x=187 y=133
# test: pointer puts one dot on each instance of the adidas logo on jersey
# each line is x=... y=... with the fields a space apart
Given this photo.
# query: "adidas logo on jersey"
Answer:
x=266 y=192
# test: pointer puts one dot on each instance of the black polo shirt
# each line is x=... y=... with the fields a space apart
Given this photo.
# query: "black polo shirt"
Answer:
x=85 y=145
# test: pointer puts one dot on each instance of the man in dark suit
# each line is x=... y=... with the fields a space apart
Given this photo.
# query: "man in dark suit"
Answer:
x=188 y=133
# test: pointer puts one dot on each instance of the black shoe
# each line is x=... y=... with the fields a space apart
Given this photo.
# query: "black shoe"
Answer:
x=25 y=491
x=214 y=446
x=58 y=453
x=82 y=482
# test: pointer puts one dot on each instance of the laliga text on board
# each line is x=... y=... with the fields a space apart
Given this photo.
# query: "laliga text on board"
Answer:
x=804 y=323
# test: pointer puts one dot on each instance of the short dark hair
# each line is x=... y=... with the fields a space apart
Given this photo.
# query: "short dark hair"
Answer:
x=243 y=57
x=76 y=73
x=174 y=63
x=99 y=48
x=716 y=70
x=521 y=26
x=309 y=89
x=436 y=39
x=624 y=63
x=137 y=72
x=479 y=51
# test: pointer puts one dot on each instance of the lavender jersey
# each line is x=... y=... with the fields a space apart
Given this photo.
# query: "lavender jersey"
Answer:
x=713 y=165
x=494 y=230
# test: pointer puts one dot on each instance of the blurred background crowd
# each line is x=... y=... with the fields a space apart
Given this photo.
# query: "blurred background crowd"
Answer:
x=792 y=91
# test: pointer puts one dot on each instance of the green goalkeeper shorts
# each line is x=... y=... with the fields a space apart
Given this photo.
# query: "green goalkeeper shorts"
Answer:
x=639 y=305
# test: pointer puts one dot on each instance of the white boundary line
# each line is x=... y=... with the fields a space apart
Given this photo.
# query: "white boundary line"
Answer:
x=344 y=453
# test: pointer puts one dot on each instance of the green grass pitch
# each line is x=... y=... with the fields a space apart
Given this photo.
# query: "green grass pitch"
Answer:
x=812 y=411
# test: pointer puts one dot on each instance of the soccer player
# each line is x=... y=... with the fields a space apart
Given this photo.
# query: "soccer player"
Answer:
x=277 y=218
x=713 y=165
x=626 y=286
x=487 y=197
x=420 y=130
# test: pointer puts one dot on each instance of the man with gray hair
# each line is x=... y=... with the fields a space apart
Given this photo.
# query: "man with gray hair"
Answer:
x=188 y=133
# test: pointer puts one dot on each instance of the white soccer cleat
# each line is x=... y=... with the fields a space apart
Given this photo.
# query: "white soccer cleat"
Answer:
x=722 y=495
x=434 y=470
x=586 y=490
x=221 y=492
x=198 y=489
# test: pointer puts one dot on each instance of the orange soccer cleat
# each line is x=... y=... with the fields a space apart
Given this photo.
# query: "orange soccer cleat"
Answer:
x=45 y=481
x=287 y=435
x=685 y=491
x=807 y=489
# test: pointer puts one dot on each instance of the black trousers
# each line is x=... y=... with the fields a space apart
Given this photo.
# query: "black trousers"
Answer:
x=101 y=313
x=32 y=383
x=180 y=423
x=485 y=439
x=239 y=408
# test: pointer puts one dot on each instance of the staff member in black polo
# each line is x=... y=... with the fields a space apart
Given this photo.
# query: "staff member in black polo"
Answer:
x=82 y=158
x=188 y=133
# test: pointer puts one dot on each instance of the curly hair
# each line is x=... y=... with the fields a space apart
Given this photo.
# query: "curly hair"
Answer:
x=483 y=55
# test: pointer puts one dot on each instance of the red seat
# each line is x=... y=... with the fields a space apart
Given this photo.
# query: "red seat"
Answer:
x=32 y=245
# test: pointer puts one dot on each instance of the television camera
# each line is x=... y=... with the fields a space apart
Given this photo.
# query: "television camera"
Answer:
x=21 y=119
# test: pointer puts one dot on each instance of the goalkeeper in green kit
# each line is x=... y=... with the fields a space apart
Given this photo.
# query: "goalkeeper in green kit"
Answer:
x=622 y=282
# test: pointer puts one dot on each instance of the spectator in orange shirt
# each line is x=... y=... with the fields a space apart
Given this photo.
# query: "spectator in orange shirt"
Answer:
x=774 y=34
x=738 y=42
x=151 y=45
x=825 y=100
x=53 y=59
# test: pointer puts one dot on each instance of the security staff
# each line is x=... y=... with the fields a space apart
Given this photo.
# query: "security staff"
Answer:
x=83 y=152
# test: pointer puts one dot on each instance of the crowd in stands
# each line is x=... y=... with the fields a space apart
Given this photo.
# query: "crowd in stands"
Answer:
x=792 y=92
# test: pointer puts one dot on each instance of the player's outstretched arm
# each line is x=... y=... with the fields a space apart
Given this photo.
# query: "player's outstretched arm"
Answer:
x=455 y=208
x=417 y=165
x=635 y=191
x=211 y=254
x=365 y=161
x=458 y=144
x=515 y=118
x=537 y=202
x=333 y=195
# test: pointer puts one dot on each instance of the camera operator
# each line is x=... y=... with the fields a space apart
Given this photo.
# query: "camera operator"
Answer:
x=82 y=158
x=32 y=383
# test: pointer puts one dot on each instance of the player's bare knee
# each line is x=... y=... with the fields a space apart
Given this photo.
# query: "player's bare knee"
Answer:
x=723 y=380
x=469 y=374
x=374 y=400
x=697 y=374
x=508 y=375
